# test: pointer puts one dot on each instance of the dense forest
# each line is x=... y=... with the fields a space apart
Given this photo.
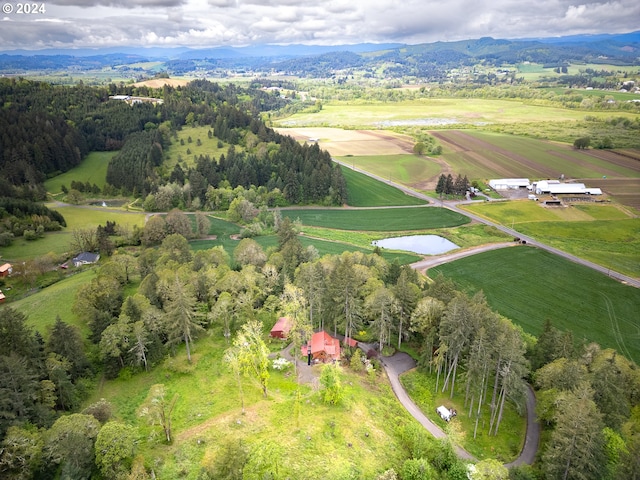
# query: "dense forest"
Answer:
x=48 y=130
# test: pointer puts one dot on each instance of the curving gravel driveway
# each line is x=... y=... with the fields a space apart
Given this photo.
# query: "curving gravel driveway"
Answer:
x=400 y=362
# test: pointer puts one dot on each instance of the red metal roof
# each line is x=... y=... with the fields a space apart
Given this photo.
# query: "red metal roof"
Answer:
x=323 y=342
x=282 y=326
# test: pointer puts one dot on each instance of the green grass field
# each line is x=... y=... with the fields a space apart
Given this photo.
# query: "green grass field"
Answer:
x=471 y=111
x=93 y=169
x=529 y=286
x=378 y=220
x=404 y=169
x=604 y=234
x=57 y=299
x=364 y=191
x=76 y=217
x=324 y=247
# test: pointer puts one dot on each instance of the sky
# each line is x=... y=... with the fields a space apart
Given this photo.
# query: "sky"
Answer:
x=213 y=23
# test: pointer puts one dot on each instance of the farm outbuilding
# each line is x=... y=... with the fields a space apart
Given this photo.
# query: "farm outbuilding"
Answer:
x=324 y=348
x=555 y=187
x=282 y=328
x=5 y=270
x=509 y=183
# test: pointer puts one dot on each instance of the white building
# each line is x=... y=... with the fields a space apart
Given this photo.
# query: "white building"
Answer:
x=509 y=183
x=555 y=187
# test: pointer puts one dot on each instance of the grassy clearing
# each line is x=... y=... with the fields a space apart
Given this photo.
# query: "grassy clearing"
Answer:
x=405 y=169
x=604 y=234
x=379 y=220
x=529 y=286
x=182 y=151
x=421 y=387
x=57 y=299
x=93 y=169
x=76 y=217
x=355 y=439
x=365 y=191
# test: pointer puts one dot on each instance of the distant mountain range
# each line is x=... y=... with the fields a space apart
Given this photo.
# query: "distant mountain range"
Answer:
x=424 y=60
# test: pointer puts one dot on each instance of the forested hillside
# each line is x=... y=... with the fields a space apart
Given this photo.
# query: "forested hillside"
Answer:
x=46 y=130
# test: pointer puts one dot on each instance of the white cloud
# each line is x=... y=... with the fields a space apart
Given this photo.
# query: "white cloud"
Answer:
x=210 y=23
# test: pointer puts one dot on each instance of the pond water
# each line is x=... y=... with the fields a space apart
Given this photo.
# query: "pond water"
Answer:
x=422 y=244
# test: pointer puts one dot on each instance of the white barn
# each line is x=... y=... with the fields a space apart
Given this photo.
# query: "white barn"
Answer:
x=509 y=183
x=554 y=187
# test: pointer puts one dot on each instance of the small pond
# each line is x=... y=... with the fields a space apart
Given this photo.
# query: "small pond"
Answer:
x=422 y=244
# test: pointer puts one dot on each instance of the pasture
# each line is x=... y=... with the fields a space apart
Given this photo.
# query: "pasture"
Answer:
x=529 y=285
x=57 y=299
x=378 y=220
x=604 y=234
x=93 y=169
x=77 y=217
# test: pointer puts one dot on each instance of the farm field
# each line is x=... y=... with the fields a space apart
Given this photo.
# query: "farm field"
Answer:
x=378 y=220
x=490 y=155
x=93 y=169
x=341 y=142
x=365 y=191
x=410 y=170
x=529 y=285
x=437 y=112
x=604 y=234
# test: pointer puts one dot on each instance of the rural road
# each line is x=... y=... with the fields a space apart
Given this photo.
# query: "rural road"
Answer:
x=454 y=206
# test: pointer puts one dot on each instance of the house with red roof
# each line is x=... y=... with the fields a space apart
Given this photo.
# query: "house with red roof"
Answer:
x=5 y=270
x=324 y=348
x=282 y=328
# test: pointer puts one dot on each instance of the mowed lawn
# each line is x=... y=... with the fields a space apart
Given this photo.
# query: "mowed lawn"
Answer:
x=529 y=285
x=365 y=191
x=93 y=169
x=379 y=220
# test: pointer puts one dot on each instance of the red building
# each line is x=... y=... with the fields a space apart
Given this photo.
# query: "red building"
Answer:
x=282 y=328
x=324 y=348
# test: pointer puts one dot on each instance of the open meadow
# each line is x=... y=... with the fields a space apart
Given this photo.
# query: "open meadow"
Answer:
x=529 y=286
x=93 y=169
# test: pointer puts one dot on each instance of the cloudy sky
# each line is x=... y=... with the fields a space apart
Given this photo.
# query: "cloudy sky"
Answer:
x=211 y=23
